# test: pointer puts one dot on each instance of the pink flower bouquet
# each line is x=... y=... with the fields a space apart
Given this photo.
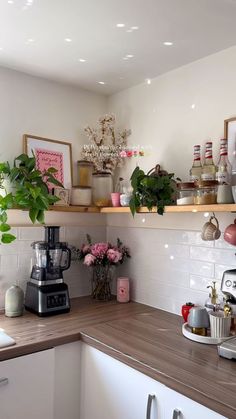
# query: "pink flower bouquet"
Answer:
x=103 y=254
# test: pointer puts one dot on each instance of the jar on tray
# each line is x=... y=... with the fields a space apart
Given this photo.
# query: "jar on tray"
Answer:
x=102 y=189
x=206 y=192
x=185 y=193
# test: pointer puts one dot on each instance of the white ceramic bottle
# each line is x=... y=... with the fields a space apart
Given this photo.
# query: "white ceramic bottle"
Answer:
x=14 y=301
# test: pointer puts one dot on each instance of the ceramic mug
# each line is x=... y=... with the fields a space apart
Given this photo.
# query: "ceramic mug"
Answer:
x=211 y=231
x=230 y=233
x=115 y=199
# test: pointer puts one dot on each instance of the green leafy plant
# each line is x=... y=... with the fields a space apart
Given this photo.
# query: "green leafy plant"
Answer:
x=30 y=191
x=156 y=188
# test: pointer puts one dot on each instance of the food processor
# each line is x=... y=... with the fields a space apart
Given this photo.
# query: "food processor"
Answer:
x=46 y=292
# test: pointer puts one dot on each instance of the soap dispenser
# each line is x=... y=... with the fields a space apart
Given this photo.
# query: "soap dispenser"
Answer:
x=213 y=302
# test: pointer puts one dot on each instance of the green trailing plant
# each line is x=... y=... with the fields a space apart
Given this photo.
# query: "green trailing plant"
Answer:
x=30 y=191
x=154 y=189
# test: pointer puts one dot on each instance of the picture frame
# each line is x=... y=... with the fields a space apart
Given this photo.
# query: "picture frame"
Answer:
x=230 y=135
x=64 y=195
x=51 y=153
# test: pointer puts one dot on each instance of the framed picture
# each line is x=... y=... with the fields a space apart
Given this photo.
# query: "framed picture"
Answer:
x=230 y=134
x=64 y=195
x=51 y=153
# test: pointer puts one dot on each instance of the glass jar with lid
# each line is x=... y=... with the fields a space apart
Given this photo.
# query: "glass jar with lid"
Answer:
x=206 y=192
x=85 y=171
x=102 y=187
x=185 y=193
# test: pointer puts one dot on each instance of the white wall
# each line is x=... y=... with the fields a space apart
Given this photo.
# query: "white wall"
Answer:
x=40 y=107
x=161 y=115
x=31 y=105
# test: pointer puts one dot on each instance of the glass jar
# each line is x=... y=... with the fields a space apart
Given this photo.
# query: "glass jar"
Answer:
x=206 y=192
x=85 y=171
x=102 y=187
x=185 y=193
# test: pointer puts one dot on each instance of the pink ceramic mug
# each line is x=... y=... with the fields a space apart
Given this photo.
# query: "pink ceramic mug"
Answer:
x=115 y=199
x=230 y=234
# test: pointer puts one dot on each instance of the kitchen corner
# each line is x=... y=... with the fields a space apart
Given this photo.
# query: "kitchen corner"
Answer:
x=147 y=339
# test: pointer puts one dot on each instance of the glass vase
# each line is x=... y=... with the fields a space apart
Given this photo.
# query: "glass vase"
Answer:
x=101 y=282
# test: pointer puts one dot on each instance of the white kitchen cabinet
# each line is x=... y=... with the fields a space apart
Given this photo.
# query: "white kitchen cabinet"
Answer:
x=185 y=408
x=26 y=386
x=67 y=381
x=112 y=390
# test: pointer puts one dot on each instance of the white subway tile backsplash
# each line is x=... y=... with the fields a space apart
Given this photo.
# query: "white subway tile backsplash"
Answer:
x=167 y=267
x=219 y=270
x=31 y=233
x=9 y=262
x=213 y=255
x=200 y=283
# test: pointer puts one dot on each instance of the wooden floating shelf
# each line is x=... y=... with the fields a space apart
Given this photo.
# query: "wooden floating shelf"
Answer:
x=74 y=208
x=176 y=208
x=168 y=209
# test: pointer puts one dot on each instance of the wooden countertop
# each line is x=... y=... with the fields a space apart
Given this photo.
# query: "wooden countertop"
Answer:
x=145 y=338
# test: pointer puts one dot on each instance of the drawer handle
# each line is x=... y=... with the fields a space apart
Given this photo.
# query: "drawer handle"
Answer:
x=151 y=397
x=176 y=414
x=3 y=381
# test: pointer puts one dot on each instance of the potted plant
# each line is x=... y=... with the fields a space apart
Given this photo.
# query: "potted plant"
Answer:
x=29 y=191
x=156 y=188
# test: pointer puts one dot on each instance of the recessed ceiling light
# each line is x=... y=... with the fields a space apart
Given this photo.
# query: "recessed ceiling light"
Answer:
x=101 y=82
x=82 y=60
x=30 y=41
x=134 y=28
x=167 y=43
x=120 y=25
x=129 y=56
x=1 y=48
x=68 y=40
x=125 y=58
x=10 y=2
x=148 y=81
x=193 y=106
x=129 y=30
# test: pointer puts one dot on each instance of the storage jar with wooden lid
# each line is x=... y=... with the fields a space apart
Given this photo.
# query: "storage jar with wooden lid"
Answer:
x=102 y=189
x=185 y=193
x=85 y=171
x=206 y=192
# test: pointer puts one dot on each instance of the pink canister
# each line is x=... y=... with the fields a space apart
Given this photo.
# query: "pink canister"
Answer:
x=123 y=290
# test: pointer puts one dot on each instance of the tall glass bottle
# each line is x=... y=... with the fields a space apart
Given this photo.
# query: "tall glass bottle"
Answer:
x=196 y=169
x=224 y=168
x=208 y=169
x=233 y=160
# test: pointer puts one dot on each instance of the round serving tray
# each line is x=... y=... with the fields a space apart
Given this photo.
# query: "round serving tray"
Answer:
x=201 y=339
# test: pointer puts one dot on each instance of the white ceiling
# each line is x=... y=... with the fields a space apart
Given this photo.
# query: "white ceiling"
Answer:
x=33 y=32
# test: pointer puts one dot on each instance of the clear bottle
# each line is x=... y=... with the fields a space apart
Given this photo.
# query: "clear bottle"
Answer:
x=196 y=169
x=208 y=169
x=233 y=177
x=224 y=168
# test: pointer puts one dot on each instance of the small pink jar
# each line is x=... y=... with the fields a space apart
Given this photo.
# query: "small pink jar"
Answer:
x=123 y=290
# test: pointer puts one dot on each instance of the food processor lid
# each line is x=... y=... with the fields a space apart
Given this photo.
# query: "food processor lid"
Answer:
x=41 y=245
